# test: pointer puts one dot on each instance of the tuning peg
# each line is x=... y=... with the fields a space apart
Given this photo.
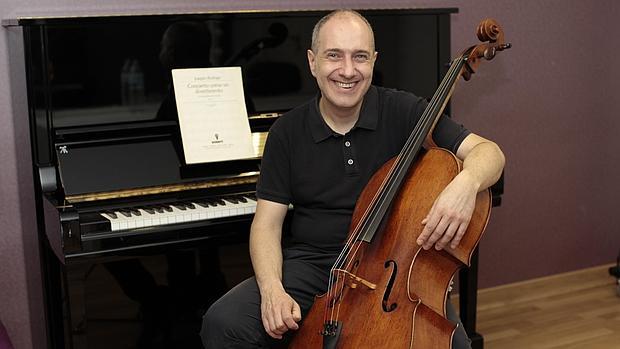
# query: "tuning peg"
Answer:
x=504 y=46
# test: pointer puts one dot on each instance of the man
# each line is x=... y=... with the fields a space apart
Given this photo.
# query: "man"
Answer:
x=319 y=157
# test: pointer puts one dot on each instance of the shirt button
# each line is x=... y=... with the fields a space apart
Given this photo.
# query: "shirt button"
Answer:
x=350 y=161
x=347 y=144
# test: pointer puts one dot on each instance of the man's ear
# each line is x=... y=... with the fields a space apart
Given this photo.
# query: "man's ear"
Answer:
x=311 y=61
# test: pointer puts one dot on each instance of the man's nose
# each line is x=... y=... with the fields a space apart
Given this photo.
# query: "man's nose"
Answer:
x=348 y=67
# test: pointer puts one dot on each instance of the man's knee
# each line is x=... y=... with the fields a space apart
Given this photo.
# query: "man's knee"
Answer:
x=215 y=323
x=233 y=321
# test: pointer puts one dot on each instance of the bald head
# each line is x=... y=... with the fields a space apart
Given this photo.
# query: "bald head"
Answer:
x=339 y=14
x=342 y=60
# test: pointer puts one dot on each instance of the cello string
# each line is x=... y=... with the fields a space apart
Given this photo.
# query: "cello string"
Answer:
x=432 y=109
x=413 y=144
x=416 y=134
x=399 y=166
x=436 y=109
x=379 y=205
x=391 y=183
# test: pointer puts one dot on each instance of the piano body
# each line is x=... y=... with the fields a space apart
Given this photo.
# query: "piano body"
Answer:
x=115 y=197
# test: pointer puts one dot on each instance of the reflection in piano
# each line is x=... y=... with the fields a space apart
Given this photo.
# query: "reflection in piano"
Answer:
x=132 y=236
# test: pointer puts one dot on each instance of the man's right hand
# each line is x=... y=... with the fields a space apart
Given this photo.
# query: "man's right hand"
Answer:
x=279 y=312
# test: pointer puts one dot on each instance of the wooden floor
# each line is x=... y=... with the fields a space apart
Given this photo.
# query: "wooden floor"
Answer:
x=574 y=310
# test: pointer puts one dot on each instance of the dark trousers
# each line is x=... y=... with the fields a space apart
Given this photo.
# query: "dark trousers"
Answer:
x=234 y=321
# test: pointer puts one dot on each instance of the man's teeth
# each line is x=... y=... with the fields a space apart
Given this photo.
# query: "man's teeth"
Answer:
x=345 y=85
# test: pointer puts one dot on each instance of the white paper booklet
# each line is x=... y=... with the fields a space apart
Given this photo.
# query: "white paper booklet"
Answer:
x=212 y=114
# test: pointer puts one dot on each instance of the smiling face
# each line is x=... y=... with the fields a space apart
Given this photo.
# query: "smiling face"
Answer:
x=342 y=63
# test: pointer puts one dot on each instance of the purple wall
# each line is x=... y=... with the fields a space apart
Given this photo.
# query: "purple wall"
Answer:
x=547 y=102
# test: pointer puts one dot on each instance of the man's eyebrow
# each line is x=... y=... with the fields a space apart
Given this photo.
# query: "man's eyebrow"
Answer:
x=341 y=50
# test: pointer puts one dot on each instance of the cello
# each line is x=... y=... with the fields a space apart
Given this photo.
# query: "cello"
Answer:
x=384 y=290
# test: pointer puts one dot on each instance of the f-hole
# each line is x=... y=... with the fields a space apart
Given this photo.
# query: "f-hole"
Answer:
x=388 y=289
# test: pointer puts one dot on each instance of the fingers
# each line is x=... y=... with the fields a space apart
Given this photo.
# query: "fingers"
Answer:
x=447 y=236
x=272 y=321
x=459 y=235
x=274 y=326
x=291 y=317
x=270 y=324
x=430 y=222
x=437 y=232
x=448 y=218
x=296 y=312
x=279 y=318
x=441 y=230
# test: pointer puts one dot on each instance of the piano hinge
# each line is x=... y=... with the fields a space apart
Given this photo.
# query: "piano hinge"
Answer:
x=245 y=178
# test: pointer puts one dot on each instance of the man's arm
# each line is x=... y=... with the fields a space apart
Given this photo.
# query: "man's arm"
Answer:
x=449 y=217
x=279 y=312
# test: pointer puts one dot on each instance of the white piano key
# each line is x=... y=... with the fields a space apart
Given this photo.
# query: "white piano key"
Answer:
x=176 y=215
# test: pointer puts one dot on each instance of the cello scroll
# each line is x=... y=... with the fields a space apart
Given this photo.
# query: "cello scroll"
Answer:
x=492 y=36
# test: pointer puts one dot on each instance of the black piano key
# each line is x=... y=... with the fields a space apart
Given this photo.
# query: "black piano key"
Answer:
x=111 y=214
x=203 y=204
x=231 y=199
x=179 y=205
x=148 y=209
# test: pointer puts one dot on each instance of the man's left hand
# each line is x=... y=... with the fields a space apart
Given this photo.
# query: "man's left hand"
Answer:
x=449 y=217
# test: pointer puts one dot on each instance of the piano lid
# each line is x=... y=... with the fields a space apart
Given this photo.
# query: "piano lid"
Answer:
x=106 y=169
x=116 y=70
x=99 y=89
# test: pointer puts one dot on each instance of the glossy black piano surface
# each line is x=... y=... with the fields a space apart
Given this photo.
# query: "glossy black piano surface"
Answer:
x=105 y=126
x=106 y=144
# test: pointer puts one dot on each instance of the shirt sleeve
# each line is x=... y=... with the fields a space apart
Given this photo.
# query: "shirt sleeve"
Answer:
x=274 y=180
x=447 y=134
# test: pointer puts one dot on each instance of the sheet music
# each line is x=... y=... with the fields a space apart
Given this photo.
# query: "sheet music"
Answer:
x=212 y=114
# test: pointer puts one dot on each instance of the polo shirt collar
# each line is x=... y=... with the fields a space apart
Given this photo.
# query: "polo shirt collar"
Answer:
x=369 y=116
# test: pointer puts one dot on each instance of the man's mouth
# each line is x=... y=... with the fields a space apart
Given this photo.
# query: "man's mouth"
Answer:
x=346 y=85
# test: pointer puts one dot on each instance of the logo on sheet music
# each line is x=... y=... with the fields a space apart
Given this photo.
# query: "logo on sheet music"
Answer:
x=217 y=139
x=63 y=149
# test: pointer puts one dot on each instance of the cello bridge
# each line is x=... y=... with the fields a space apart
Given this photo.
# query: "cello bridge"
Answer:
x=352 y=280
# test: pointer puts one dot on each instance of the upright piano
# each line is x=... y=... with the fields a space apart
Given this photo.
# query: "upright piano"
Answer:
x=136 y=243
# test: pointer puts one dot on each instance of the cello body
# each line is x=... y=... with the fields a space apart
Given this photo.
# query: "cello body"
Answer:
x=385 y=291
x=404 y=309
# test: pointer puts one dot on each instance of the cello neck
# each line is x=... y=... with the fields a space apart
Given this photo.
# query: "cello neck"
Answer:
x=407 y=155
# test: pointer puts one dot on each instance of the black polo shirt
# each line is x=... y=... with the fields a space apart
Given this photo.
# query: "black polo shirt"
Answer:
x=322 y=173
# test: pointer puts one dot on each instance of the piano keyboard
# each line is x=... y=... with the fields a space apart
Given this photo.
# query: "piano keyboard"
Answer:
x=181 y=212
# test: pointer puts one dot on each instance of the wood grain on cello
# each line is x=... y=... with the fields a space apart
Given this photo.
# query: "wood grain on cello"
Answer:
x=385 y=291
